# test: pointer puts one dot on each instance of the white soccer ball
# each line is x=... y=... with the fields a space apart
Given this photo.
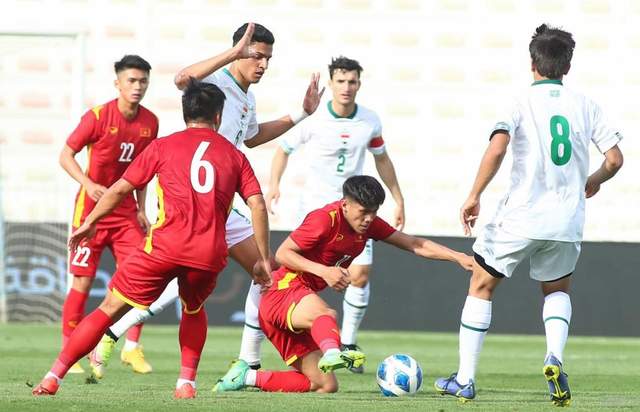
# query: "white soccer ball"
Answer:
x=399 y=375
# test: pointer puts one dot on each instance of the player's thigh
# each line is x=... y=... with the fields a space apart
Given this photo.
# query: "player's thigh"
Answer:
x=141 y=278
x=84 y=261
x=124 y=240
x=113 y=306
x=240 y=241
x=194 y=287
x=554 y=260
x=320 y=382
x=499 y=252
x=308 y=309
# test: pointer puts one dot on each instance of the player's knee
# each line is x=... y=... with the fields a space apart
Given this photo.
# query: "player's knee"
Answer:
x=82 y=283
x=327 y=386
x=330 y=312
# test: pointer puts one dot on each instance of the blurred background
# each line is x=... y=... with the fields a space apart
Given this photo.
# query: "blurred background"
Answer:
x=437 y=72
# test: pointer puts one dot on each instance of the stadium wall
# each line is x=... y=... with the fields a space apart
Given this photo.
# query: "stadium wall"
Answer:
x=408 y=293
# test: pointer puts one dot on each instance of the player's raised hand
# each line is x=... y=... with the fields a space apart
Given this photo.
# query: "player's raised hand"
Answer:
x=261 y=273
x=84 y=232
x=398 y=217
x=95 y=191
x=469 y=214
x=591 y=188
x=243 y=49
x=143 y=221
x=273 y=196
x=312 y=96
x=336 y=277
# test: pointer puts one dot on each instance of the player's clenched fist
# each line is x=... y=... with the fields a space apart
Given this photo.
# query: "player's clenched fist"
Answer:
x=262 y=273
x=336 y=277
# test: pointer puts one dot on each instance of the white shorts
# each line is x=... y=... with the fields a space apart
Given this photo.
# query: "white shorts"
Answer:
x=238 y=228
x=499 y=253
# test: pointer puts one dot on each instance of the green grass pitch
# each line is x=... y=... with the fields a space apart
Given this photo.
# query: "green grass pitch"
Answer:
x=604 y=375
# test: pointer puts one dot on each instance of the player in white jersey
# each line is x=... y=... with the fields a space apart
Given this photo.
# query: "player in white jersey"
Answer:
x=249 y=60
x=337 y=138
x=542 y=216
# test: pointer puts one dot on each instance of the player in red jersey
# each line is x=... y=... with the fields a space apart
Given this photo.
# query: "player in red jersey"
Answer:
x=317 y=254
x=114 y=134
x=199 y=172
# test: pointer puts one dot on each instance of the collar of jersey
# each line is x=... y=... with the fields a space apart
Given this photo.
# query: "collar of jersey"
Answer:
x=228 y=73
x=334 y=114
x=547 y=81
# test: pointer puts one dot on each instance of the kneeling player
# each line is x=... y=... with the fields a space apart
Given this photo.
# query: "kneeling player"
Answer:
x=296 y=320
x=198 y=173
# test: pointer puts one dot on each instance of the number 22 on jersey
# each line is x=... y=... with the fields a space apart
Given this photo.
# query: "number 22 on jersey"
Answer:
x=198 y=163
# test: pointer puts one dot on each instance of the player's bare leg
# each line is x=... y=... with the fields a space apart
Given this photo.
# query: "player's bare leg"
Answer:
x=73 y=310
x=319 y=381
x=354 y=307
x=556 y=314
x=84 y=338
x=246 y=254
x=474 y=324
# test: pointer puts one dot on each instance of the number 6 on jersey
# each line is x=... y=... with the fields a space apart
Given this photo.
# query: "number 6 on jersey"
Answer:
x=198 y=163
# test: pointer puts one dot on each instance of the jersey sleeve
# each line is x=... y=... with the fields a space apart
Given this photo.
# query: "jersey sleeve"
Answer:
x=247 y=184
x=380 y=229
x=253 y=128
x=294 y=139
x=87 y=130
x=603 y=135
x=144 y=167
x=314 y=230
x=508 y=121
x=376 y=143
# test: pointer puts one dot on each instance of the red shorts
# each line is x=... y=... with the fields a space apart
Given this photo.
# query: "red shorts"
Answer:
x=141 y=278
x=274 y=313
x=121 y=240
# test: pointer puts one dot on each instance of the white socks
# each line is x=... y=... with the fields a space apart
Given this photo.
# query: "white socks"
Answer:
x=181 y=382
x=52 y=375
x=354 y=306
x=474 y=323
x=250 y=377
x=252 y=335
x=135 y=316
x=556 y=314
x=129 y=345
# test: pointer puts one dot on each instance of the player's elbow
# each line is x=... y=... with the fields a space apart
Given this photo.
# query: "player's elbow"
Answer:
x=614 y=159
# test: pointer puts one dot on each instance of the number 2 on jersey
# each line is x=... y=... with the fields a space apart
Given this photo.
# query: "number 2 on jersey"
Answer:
x=198 y=163
x=341 y=161
x=560 y=132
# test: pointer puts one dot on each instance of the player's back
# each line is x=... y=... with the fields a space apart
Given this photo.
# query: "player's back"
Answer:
x=551 y=127
x=198 y=173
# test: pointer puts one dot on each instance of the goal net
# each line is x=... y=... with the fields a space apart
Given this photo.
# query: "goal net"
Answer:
x=42 y=91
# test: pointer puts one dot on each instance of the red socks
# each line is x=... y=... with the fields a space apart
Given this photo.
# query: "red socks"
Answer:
x=72 y=312
x=325 y=333
x=193 y=334
x=287 y=381
x=134 y=332
x=85 y=337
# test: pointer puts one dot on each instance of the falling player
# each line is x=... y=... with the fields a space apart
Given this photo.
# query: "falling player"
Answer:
x=198 y=173
x=114 y=134
x=542 y=216
x=297 y=321
x=249 y=58
x=337 y=138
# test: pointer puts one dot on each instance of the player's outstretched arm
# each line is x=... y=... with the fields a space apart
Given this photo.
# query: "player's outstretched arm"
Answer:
x=613 y=161
x=489 y=165
x=202 y=69
x=70 y=165
x=107 y=203
x=268 y=131
x=289 y=255
x=387 y=173
x=260 y=222
x=278 y=166
x=429 y=249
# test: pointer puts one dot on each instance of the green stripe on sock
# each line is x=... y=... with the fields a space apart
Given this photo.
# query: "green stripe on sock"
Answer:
x=252 y=327
x=472 y=328
x=355 y=306
x=558 y=318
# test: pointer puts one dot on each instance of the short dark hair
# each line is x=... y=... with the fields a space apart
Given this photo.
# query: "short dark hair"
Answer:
x=260 y=34
x=551 y=51
x=201 y=101
x=344 y=63
x=365 y=190
x=132 y=61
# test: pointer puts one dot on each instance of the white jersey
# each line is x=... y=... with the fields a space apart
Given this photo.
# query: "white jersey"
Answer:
x=239 y=114
x=335 y=150
x=550 y=128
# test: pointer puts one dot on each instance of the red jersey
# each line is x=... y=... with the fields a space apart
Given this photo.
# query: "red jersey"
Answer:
x=112 y=143
x=326 y=237
x=199 y=172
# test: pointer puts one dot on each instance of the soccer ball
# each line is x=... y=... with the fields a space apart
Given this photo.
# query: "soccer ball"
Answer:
x=399 y=375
